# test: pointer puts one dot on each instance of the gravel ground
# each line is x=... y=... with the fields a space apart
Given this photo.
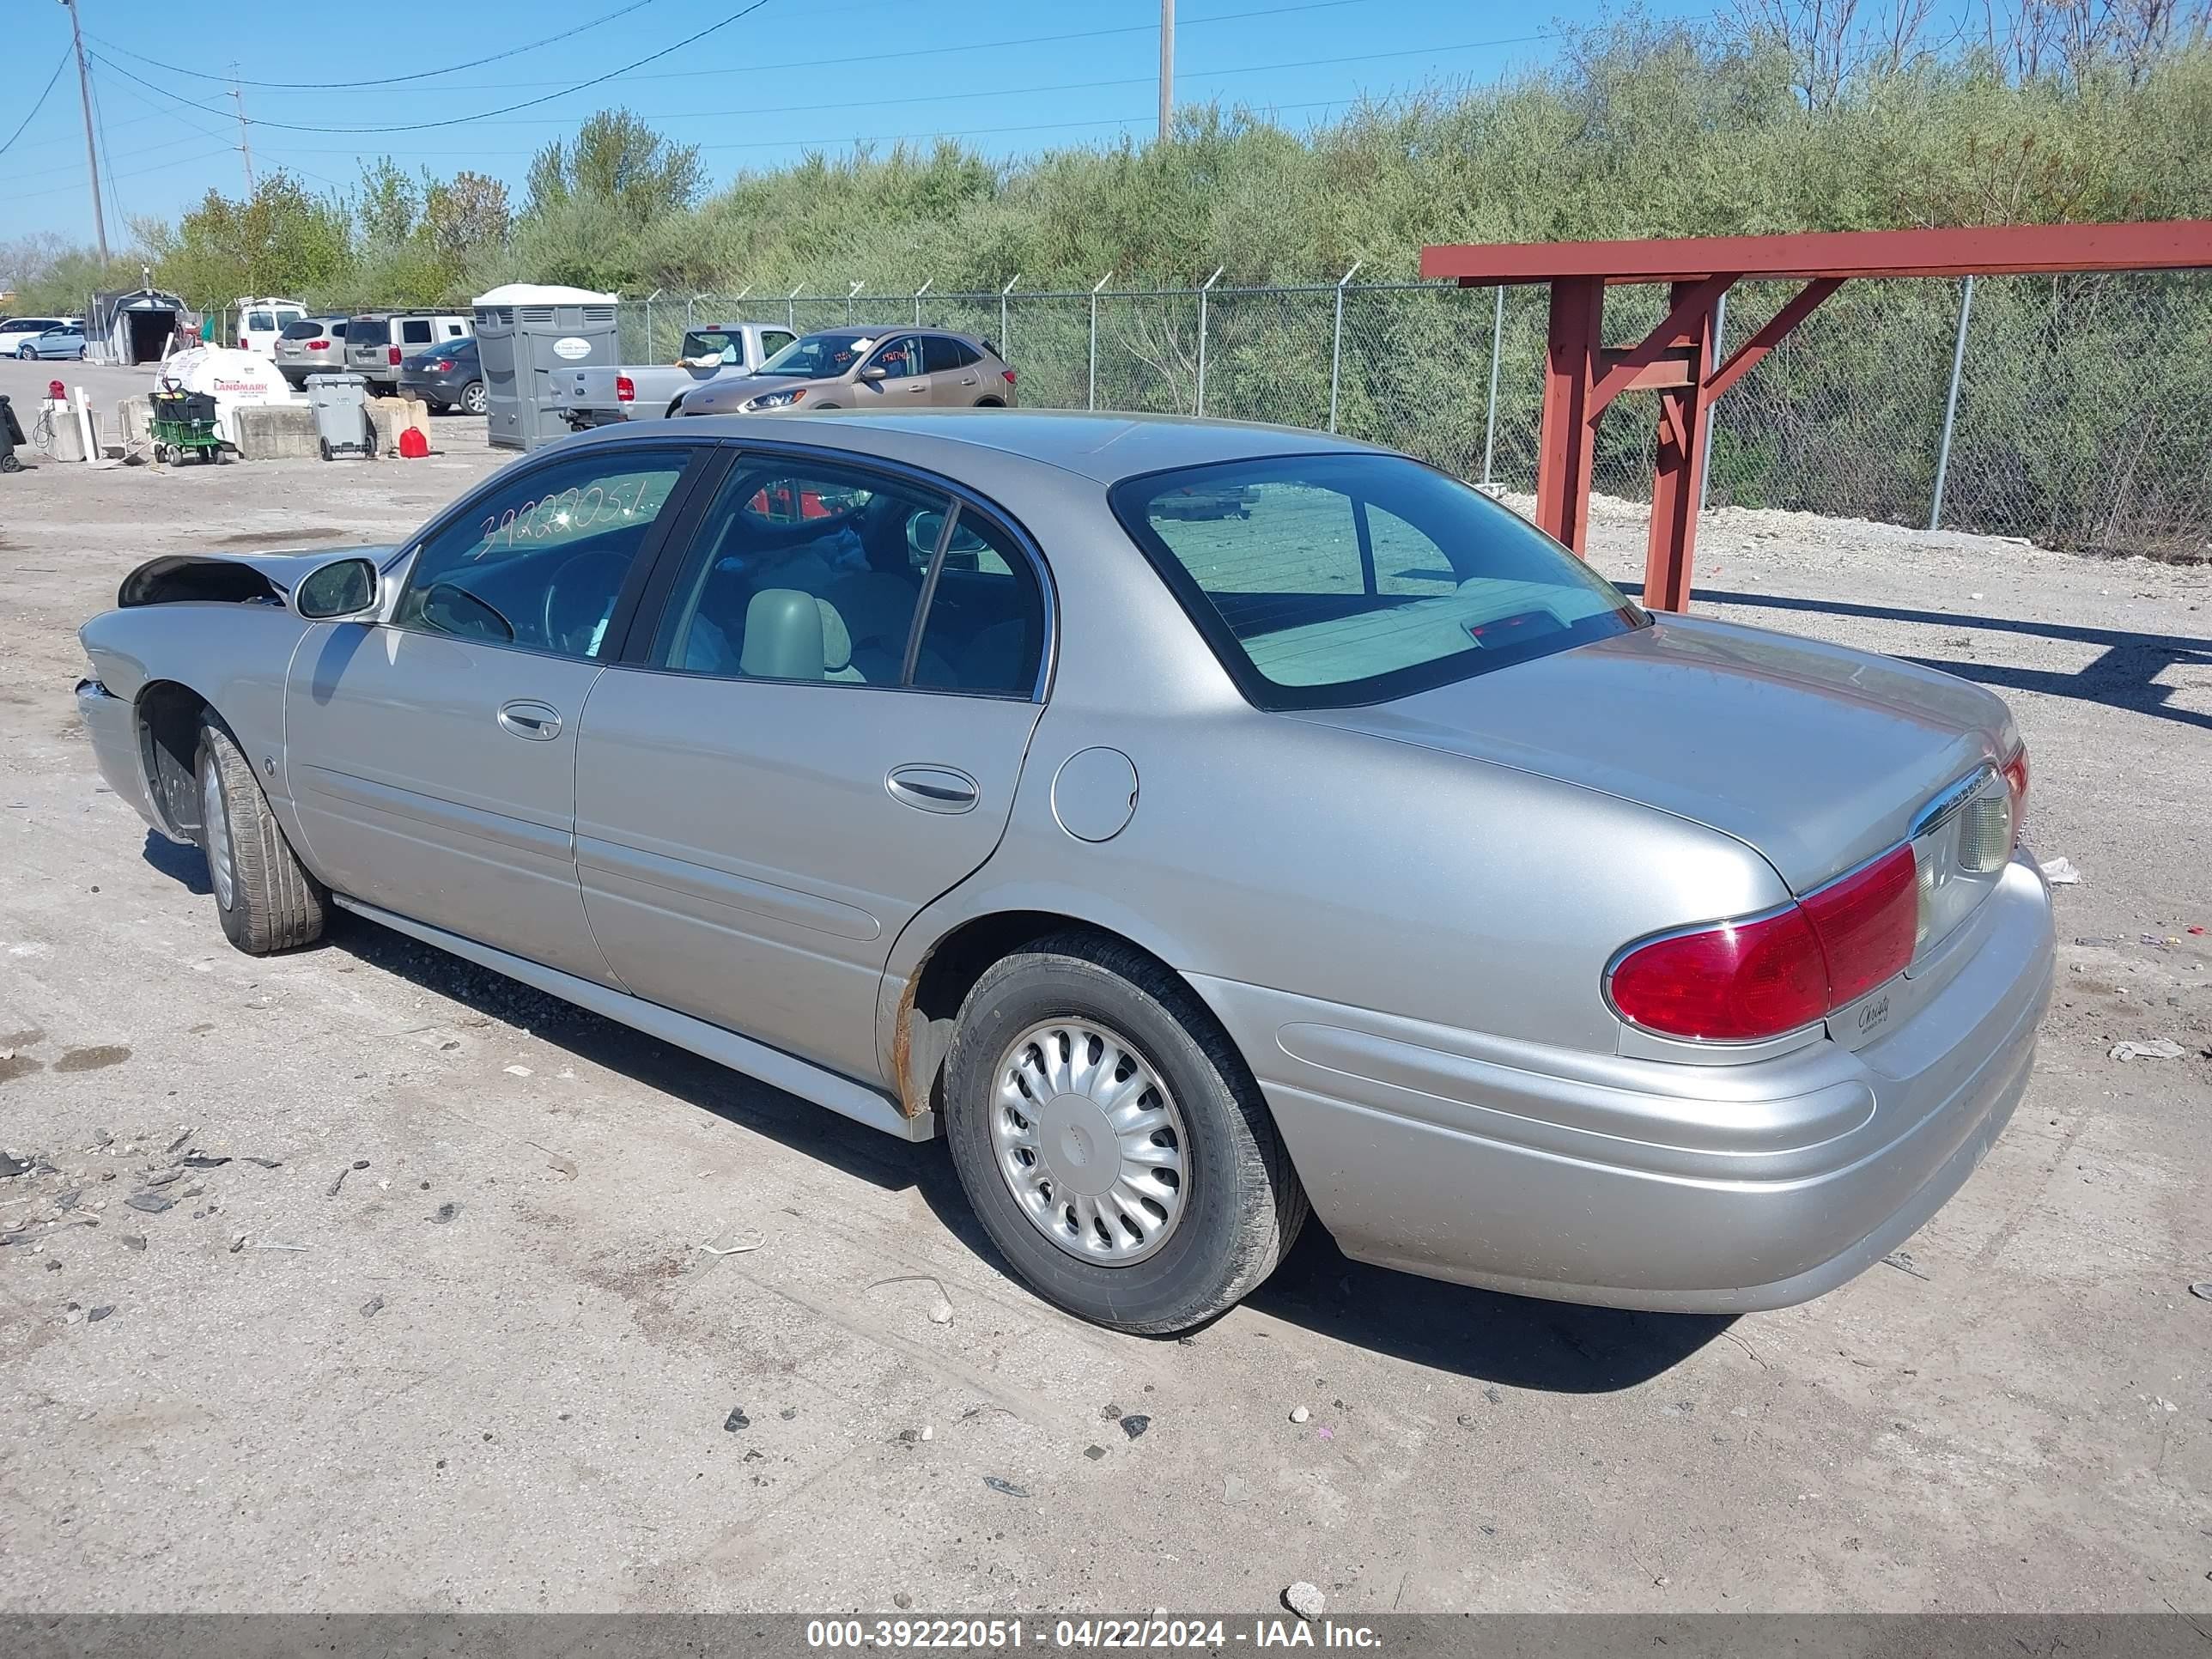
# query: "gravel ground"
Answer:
x=499 y=1371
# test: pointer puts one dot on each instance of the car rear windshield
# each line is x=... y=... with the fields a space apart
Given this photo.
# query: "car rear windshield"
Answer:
x=302 y=329
x=701 y=345
x=1327 y=581
x=821 y=356
x=369 y=331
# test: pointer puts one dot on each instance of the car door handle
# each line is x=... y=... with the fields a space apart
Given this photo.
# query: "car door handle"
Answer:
x=535 y=721
x=934 y=789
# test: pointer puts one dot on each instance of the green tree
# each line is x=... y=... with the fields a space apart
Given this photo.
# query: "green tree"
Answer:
x=466 y=214
x=616 y=160
x=281 y=240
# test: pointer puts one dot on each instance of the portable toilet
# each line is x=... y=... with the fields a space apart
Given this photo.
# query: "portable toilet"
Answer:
x=525 y=332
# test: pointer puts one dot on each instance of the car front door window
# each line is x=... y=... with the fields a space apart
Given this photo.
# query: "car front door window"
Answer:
x=542 y=563
x=804 y=575
x=899 y=359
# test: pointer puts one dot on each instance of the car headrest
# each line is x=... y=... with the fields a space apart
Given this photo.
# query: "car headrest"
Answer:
x=783 y=636
x=837 y=639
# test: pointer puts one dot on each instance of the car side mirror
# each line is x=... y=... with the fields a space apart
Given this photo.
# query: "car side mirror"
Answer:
x=340 y=590
x=875 y=371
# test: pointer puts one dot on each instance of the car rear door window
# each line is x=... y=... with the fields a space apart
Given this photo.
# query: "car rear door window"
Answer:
x=1326 y=580
x=803 y=572
x=941 y=354
x=415 y=330
x=541 y=562
x=983 y=632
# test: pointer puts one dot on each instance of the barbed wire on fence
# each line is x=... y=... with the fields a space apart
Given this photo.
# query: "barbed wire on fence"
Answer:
x=2081 y=414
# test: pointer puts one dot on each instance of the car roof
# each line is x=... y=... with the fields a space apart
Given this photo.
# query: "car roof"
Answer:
x=1103 y=448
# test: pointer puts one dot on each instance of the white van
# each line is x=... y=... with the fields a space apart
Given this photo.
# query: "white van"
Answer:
x=261 y=321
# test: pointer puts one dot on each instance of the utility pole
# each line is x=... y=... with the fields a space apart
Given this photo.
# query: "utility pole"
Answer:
x=245 y=143
x=1167 y=68
x=91 y=151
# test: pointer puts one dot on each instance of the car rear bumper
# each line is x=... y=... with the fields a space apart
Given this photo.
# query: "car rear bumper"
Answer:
x=1638 y=1183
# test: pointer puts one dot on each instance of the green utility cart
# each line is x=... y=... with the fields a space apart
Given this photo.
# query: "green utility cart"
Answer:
x=183 y=423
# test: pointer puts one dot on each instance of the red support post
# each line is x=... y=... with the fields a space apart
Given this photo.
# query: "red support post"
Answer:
x=1673 y=535
x=1567 y=440
x=1581 y=377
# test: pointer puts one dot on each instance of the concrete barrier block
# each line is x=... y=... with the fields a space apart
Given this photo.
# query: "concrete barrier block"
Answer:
x=270 y=432
x=133 y=418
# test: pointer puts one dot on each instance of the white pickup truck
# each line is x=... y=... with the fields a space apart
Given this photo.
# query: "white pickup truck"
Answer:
x=648 y=391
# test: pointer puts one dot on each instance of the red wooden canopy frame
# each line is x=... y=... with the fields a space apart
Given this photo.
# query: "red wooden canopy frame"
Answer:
x=1582 y=375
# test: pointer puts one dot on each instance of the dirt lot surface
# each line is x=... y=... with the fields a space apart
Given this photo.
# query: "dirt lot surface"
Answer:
x=472 y=1356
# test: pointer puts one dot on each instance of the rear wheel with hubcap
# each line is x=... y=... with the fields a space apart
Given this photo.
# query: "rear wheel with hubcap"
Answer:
x=474 y=399
x=1111 y=1139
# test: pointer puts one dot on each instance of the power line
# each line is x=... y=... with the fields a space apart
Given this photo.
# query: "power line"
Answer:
x=464 y=120
x=163 y=112
x=894 y=138
x=139 y=173
x=388 y=80
x=106 y=154
x=50 y=80
x=1087 y=86
x=905 y=52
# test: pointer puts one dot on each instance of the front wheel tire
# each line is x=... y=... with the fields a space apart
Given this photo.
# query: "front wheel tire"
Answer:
x=264 y=897
x=1111 y=1140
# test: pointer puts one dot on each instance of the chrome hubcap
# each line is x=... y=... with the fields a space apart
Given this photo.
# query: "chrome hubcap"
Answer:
x=216 y=825
x=1089 y=1141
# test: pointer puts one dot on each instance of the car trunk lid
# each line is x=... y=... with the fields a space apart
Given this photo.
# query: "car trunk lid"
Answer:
x=1818 y=757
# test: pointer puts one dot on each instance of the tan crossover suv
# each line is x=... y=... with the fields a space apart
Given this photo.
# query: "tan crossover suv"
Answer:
x=876 y=368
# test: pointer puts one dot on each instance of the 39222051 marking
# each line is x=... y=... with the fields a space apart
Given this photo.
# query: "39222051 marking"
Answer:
x=831 y=1635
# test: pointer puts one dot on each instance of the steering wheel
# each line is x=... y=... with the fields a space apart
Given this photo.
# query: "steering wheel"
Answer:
x=572 y=632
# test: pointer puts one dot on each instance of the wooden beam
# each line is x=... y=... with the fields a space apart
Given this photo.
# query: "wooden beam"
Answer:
x=1686 y=320
x=1802 y=304
x=1989 y=250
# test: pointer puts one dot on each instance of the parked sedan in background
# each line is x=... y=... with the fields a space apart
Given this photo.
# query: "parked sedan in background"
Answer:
x=15 y=330
x=63 y=340
x=1344 y=841
x=866 y=368
x=449 y=376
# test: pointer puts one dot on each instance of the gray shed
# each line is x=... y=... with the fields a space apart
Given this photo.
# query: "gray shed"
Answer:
x=133 y=327
x=525 y=332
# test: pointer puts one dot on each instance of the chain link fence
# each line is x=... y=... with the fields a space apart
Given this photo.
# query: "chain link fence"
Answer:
x=2079 y=413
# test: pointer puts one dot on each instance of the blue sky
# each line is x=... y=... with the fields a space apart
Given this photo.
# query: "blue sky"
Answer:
x=790 y=77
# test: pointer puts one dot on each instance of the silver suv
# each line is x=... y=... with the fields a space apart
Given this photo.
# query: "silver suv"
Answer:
x=310 y=345
x=378 y=342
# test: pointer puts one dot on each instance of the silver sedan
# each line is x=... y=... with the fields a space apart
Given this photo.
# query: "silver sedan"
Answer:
x=1191 y=822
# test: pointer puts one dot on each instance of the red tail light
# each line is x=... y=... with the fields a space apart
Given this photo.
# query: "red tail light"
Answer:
x=625 y=389
x=2016 y=777
x=319 y=346
x=394 y=350
x=1867 y=924
x=1007 y=375
x=442 y=365
x=1739 y=981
